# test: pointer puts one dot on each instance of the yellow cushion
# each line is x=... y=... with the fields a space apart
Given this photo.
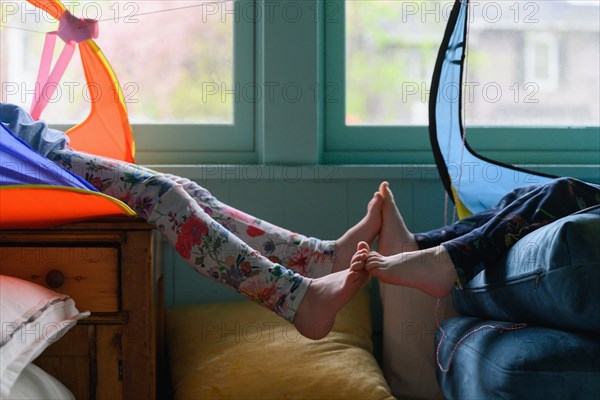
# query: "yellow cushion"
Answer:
x=241 y=351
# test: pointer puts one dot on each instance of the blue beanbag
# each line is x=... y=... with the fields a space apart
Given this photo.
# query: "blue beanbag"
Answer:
x=550 y=277
x=531 y=363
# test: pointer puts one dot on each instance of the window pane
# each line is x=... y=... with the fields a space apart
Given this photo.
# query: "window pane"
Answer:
x=173 y=58
x=390 y=55
x=529 y=62
x=540 y=62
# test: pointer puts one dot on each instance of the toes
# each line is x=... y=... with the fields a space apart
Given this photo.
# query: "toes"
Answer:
x=375 y=267
x=374 y=264
x=378 y=197
x=374 y=261
x=375 y=255
x=382 y=187
x=358 y=260
x=376 y=201
x=357 y=265
x=386 y=192
x=372 y=268
x=362 y=246
x=360 y=255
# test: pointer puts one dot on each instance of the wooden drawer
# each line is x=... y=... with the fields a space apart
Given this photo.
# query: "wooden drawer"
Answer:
x=90 y=275
x=88 y=361
x=70 y=360
x=108 y=268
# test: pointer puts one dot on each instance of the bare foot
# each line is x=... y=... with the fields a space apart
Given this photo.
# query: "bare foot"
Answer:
x=365 y=230
x=358 y=259
x=430 y=270
x=394 y=237
x=324 y=298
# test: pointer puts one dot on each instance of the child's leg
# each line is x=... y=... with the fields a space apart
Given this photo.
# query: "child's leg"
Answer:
x=211 y=250
x=309 y=257
x=207 y=246
x=465 y=225
x=484 y=246
x=395 y=237
x=432 y=270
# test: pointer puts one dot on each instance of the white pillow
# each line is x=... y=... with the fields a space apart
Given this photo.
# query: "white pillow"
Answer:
x=36 y=384
x=408 y=341
x=32 y=318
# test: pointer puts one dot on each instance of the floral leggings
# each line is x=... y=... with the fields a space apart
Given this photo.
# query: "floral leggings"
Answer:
x=218 y=241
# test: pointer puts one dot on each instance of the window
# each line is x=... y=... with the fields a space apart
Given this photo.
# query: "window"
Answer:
x=390 y=55
x=182 y=65
x=536 y=64
x=338 y=82
x=530 y=64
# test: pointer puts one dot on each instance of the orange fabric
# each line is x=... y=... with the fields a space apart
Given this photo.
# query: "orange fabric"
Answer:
x=105 y=132
x=52 y=7
x=31 y=207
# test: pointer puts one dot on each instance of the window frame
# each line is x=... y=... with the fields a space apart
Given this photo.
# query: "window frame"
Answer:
x=198 y=143
x=379 y=144
x=210 y=143
x=313 y=132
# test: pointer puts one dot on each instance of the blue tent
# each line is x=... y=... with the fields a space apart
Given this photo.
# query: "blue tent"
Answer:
x=455 y=160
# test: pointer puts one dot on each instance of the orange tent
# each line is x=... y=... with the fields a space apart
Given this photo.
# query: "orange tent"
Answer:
x=106 y=132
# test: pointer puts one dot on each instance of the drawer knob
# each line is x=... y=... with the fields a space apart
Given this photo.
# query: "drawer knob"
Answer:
x=55 y=279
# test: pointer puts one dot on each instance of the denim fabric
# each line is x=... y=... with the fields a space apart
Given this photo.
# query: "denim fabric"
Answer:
x=529 y=363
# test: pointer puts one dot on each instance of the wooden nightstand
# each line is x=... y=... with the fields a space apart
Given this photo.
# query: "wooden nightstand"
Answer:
x=107 y=267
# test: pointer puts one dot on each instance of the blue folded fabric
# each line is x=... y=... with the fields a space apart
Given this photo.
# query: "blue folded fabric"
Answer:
x=21 y=165
x=551 y=277
x=530 y=363
x=36 y=134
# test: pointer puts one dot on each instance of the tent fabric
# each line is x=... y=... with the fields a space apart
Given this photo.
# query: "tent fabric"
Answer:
x=108 y=117
x=473 y=182
x=106 y=131
x=42 y=206
x=36 y=193
x=21 y=165
x=35 y=133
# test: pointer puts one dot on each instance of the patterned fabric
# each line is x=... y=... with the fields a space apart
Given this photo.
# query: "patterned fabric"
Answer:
x=218 y=241
x=480 y=241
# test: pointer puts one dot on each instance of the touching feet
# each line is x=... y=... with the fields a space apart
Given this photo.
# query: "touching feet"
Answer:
x=398 y=260
x=324 y=298
x=365 y=230
x=394 y=237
